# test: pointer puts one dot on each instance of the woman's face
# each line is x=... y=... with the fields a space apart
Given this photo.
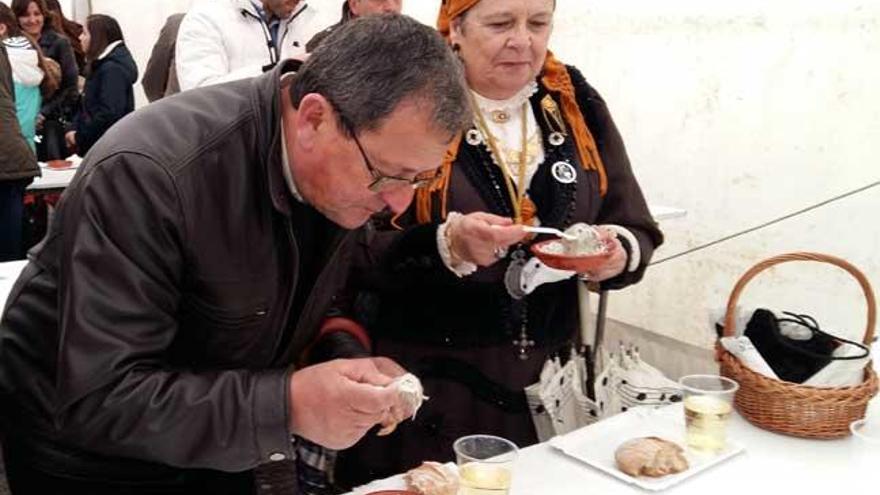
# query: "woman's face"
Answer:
x=85 y=38
x=503 y=44
x=32 y=22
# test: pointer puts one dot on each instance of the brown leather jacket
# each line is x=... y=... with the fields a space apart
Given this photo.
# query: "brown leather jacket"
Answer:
x=148 y=325
x=17 y=161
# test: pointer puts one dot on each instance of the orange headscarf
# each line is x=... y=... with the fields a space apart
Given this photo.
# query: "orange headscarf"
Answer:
x=555 y=78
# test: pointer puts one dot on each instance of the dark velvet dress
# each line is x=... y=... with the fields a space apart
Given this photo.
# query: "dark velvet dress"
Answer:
x=457 y=334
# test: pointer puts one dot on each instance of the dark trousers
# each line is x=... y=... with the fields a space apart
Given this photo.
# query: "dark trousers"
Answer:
x=11 y=218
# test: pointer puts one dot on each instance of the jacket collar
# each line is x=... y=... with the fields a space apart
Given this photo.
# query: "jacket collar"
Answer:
x=110 y=48
x=247 y=6
x=267 y=103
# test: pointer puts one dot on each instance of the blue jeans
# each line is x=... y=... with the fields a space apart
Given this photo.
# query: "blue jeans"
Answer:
x=11 y=218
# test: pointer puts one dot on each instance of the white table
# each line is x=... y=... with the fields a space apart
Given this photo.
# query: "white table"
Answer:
x=771 y=464
x=660 y=212
x=55 y=179
x=8 y=274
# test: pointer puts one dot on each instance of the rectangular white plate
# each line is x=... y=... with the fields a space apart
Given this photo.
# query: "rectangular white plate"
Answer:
x=596 y=444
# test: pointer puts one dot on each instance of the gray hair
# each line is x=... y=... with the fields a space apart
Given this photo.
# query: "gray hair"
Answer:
x=371 y=64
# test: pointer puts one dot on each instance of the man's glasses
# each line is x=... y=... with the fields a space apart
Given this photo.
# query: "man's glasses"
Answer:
x=382 y=182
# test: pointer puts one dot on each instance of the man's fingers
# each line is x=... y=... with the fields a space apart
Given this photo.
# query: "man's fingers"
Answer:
x=388 y=367
x=365 y=371
x=370 y=399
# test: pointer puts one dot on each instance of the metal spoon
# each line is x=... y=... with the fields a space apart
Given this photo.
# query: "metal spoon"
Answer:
x=549 y=230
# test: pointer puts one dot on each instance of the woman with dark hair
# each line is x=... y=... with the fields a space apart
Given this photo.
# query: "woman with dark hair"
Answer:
x=71 y=29
x=109 y=92
x=34 y=19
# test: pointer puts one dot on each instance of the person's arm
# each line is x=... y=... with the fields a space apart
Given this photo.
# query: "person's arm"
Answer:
x=624 y=204
x=108 y=107
x=67 y=91
x=201 y=56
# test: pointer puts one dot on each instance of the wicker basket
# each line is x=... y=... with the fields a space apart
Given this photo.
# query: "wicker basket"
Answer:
x=791 y=408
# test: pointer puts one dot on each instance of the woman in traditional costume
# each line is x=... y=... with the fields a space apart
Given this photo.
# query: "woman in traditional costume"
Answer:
x=543 y=150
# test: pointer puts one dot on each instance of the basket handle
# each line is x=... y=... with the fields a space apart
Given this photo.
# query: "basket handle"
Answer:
x=802 y=256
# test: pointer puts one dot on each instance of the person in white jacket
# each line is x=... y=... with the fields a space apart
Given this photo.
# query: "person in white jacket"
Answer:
x=226 y=40
x=27 y=75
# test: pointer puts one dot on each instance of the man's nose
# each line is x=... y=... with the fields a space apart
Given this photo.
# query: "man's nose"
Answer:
x=398 y=199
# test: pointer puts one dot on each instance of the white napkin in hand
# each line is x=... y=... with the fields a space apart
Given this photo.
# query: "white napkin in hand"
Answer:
x=412 y=394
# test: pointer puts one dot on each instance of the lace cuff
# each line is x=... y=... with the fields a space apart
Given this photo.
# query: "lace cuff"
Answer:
x=444 y=247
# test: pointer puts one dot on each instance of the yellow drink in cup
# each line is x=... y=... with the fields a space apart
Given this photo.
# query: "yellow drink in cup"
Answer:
x=481 y=479
x=485 y=464
x=708 y=403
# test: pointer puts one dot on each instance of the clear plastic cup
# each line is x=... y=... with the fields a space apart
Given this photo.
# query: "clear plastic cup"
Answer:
x=708 y=403
x=485 y=464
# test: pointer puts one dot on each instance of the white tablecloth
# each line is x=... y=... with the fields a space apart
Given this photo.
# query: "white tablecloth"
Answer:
x=8 y=274
x=771 y=464
x=55 y=179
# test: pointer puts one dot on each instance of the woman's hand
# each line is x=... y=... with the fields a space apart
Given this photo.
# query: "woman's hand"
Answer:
x=482 y=238
x=70 y=139
x=614 y=264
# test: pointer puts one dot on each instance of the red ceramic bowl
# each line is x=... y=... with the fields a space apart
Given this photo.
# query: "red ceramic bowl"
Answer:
x=59 y=164
x=578 y=264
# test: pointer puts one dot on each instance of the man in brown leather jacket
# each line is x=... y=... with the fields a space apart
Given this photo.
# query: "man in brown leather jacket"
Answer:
x=152 y=343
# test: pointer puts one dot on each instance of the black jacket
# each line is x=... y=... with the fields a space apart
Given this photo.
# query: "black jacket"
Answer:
x=153 y=322
x=62 y=104
x=109 y=96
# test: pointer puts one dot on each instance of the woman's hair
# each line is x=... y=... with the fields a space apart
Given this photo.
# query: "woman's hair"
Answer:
x=67 y=28
x=103 y=30
x=8 y=19
x=20 y=8
x=51 y=81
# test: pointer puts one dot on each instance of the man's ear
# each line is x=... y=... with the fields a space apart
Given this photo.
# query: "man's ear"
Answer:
x=313 y=117
x=352 y=6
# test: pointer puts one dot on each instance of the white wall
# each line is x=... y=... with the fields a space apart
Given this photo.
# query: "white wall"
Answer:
x=741 y=116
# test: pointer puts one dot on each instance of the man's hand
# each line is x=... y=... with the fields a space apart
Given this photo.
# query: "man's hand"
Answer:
x=481 y=238
x=335 y=403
